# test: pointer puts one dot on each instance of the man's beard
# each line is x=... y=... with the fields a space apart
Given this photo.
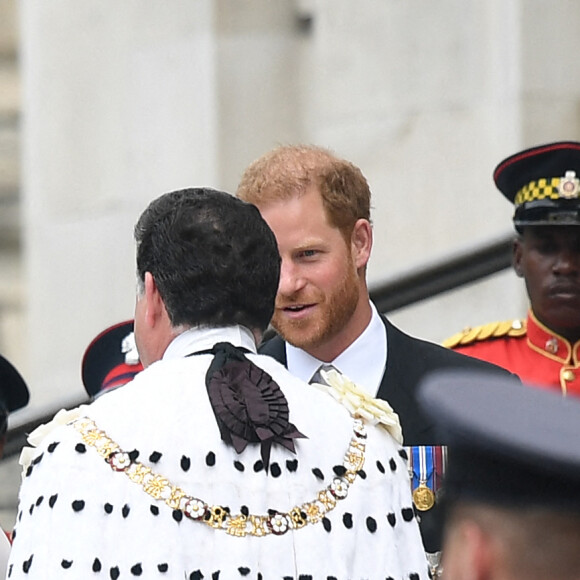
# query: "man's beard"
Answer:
x=333 y=313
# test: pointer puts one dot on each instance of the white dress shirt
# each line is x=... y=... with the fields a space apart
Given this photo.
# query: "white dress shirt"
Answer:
x=363 y=362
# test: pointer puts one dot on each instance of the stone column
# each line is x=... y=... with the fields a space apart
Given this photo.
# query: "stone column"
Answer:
x=119 y=107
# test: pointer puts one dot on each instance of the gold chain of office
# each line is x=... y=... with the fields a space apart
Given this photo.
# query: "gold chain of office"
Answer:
x=219 y=517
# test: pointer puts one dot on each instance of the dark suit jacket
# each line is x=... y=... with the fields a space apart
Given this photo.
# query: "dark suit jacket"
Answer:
x=409 y=360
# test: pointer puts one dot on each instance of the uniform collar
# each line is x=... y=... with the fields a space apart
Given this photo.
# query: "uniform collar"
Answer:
x=196 y=339
x=548 y=343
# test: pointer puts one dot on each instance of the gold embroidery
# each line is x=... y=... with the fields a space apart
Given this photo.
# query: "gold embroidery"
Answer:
x=327 y=500
x=92 y=437
x=174 y=498
x=216 y=516
x=155 y=486
x=355 y=461
x=137 y=472
x=236 y=526
x=298 y=517
x=106 y=448
x=313 y=512
x=259 y=527
x=357 y=445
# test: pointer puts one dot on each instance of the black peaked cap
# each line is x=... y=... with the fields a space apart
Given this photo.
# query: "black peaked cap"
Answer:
x=13 y=390
x=543 y=184
x=103 y=354
x=509 y=444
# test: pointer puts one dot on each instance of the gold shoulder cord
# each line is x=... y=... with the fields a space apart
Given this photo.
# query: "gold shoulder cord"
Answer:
x=491 y=330
x=219 y=517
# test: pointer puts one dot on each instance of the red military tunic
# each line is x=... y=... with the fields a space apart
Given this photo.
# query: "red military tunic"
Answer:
x=527 y=348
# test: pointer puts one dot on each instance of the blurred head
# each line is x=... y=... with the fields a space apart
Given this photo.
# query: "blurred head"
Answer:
x=204 y=259
x=491 y=542
x=318 y=206
x=512 y=478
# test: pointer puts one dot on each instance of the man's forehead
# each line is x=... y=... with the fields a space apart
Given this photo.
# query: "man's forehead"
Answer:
x=285 y=193
x=308 y=200
x=569 y=232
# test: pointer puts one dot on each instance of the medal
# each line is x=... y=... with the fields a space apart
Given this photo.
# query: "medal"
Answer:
x=426 y=468
x=423 y=498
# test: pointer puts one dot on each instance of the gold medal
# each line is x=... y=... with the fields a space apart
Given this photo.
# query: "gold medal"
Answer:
x=423 y=498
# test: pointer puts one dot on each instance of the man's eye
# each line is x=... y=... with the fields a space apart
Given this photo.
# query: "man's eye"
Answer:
x=308 y=253
x=548 y=248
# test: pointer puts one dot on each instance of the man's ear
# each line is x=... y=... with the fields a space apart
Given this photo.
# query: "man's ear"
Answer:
x=361 y=242
x=469 y=553
x=154 y=306
x=517 y=253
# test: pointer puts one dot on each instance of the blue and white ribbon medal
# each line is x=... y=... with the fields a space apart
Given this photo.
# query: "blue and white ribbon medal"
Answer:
x=423 y=484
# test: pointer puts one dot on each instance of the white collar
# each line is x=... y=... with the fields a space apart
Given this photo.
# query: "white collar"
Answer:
x=363 y=362
x=196 y=339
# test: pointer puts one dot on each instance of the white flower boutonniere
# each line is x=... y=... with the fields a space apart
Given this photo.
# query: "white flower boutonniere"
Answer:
x=360 y=403
x=37 y=436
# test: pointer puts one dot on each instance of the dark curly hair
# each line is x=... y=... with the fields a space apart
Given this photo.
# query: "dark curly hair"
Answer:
x=214 y=259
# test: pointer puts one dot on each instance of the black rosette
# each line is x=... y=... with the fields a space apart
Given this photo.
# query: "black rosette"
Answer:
x=248 y=404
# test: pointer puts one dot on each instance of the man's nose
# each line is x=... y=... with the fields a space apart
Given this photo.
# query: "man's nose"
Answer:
x=567 y=262
x=291 y=278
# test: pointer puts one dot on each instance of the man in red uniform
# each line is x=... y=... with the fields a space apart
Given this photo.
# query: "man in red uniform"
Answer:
x=543 y=185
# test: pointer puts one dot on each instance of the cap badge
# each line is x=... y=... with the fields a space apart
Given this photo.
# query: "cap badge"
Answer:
x=569 y=185
x=129 y=349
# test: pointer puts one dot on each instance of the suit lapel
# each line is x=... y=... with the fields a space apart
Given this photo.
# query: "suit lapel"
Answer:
x=276 y=348
x=404 y=370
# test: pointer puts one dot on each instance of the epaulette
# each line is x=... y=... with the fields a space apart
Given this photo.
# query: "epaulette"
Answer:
x=486 y=331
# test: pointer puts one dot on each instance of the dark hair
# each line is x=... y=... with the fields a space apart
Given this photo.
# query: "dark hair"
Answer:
x=214 y=259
